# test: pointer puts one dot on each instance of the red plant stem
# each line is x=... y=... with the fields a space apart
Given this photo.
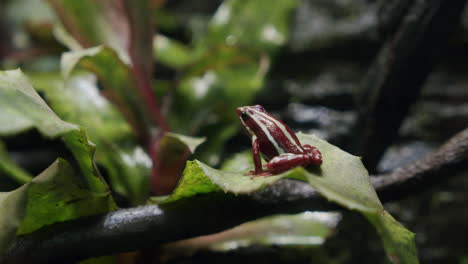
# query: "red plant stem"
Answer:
x=144 y=85
x=142 y=68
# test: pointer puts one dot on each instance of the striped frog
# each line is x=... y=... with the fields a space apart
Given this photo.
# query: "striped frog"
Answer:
x=277 y=143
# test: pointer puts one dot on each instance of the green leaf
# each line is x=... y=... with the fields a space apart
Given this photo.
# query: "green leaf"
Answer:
x=12 y=208
x=190 y=142
x=99 y=27
x=171 y=53
x=305 y=229
x=78 y=100
x=32 y=205
x=199 y=178
x=342 y=178
x=398 y=241
x=10 y=169
x=23 y=108
x=56 y=195
x=122 y=63
x=115 y=77
x=243 y=22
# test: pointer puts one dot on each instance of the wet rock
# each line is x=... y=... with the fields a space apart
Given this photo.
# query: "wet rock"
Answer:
x=332 y=86
x=329 y=124
x=319 y=23
x=435 y=122
x=403 y=154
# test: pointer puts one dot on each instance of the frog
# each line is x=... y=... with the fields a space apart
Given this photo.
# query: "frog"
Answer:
x=275 y=142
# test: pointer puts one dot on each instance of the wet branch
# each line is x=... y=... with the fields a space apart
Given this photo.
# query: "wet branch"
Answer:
x=147 y=226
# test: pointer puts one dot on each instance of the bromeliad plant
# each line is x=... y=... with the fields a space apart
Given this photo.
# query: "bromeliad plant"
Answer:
x=113 y=116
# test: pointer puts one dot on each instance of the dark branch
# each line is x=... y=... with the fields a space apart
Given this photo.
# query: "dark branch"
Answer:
x=394 y=81
x=148 y=226
x=445 y=161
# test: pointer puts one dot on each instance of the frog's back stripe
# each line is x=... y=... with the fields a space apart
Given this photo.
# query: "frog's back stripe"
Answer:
x=267 y=133
x=285 y=131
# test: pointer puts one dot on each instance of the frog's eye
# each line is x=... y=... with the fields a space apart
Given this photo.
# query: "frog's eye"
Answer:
x=244 y=115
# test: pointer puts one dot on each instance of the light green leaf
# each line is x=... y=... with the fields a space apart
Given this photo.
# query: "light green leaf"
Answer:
x=34 y=205
x=341 y=178
x=78 y=100
x=199 y=178
x=23 y=108
x=305 y=229
x=397 y=240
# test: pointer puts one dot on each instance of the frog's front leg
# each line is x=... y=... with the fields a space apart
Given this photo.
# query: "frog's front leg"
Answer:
x=257 y=160
x=287 y=161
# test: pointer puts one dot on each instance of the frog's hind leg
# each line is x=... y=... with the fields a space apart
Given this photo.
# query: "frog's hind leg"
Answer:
x=287 y=161
x=314 y=154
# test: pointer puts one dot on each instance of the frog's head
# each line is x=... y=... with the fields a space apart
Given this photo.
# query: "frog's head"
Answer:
x=249 y=110
x=249 y=116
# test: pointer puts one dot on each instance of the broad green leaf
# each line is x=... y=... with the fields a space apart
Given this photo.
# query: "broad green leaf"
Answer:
x=23 y=108
x=305 y=229
x=10 y=169
x=199 y=178
x=78 y=100
x=341 y=178
x=31 y=207
x=57 y=194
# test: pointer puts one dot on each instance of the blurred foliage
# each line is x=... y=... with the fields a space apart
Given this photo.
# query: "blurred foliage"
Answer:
x=305 y=229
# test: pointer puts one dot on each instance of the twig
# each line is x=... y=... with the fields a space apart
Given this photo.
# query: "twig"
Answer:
x=394 y=81
x=147 y=226
x=445 y=161
x=391 y=13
